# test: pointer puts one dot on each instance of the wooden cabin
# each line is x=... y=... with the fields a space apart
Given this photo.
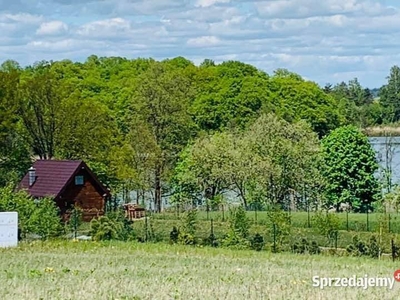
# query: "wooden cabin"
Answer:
x=70 y=183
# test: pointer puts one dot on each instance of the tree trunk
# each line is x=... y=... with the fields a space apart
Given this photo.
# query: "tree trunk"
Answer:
x=157 y=189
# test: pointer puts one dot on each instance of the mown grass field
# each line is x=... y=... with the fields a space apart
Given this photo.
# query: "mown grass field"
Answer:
x=117 y=270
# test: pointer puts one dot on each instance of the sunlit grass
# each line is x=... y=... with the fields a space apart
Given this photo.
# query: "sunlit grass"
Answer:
x=89 y=270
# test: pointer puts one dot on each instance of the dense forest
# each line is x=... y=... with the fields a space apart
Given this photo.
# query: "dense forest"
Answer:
x=177 y=129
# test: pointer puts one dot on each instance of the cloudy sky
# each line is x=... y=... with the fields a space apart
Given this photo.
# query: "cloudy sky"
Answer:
x=322 y=40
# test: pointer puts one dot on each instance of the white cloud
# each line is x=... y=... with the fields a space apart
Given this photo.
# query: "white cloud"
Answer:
x=203 y=41
x=52 y=28
x=105 y=28
x=206 y=3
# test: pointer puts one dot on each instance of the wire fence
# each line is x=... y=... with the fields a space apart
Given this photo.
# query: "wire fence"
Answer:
x=358 y=222
x=214 y=230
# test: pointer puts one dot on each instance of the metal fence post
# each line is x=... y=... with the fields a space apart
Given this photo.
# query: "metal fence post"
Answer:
x=145 y=228
x=393 y=250
x=255 y=214
x=274 y=225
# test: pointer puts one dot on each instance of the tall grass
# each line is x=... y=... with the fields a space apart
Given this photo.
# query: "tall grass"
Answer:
x=89 y=270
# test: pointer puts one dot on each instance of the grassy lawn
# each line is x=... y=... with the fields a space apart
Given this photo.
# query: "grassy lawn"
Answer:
x=89 y=270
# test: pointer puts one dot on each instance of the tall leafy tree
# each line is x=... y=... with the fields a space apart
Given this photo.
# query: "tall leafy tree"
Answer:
x=267 y=162
x=390 y=96
x=349 y=166
x=296 y=99
x=160 y=109
x=40 y=110
x=14 y=154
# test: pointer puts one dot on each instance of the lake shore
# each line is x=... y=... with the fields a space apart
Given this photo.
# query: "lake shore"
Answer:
x=378 y=131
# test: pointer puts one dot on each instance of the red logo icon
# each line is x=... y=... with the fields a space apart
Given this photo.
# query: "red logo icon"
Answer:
x=397 y=275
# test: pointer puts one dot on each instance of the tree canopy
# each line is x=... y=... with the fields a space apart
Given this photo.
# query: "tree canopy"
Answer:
x=146 y=125
x=349 y=166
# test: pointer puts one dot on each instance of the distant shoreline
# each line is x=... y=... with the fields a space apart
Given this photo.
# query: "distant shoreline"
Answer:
x=379 y=131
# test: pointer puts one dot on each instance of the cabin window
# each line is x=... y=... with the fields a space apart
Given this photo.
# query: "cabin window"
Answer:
x=79 y=180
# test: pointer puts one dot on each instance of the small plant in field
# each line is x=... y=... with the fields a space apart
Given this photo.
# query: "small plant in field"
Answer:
x=239 y=226
x=211 y=240
x=301 y=247
x=383 y=222
x=174 y=235
x=358 y=247
x=187 y=234
x=314 y=248
x=328 y=225
x=280 y=222
x=105 y=228
x=305 y=247
x=75 y=220
x=373 y=248
x=257 y=243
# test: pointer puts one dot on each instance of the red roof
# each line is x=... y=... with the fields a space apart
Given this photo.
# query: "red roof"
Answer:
x=52 y=176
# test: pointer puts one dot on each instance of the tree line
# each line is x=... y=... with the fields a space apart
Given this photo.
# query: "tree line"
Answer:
x=172 y=128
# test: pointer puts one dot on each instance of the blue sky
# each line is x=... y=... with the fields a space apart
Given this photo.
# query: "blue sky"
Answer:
x=322 y=40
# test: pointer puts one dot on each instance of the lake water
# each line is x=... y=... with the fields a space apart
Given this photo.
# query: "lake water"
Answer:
x=388 y=153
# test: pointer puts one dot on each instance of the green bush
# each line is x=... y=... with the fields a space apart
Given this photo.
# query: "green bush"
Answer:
x=174 y=235
x=257 y=243
x=358 y=247
x=280 y=221
x=45 y=220
x=187 y=232
x=374 y=247
x=211 y=240
x=41 y=218
x=239 y=226
x=104 y=228
x=75 y=220
x=20 y=202
x=301 y=247
x=239 y=222
x=305 y=247
x=314 y=248
x=327 y=224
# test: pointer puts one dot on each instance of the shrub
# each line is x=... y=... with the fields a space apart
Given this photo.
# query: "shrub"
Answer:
x=41 y=219
x=20 y=202
x=358 y=247
x=211 y=240
x=328 y=225
x=239 y=222
x=280 y=222
x=105 y=228
x=314 y=248
x=257 y=243
x=75 y=220
x=45 y=220
x=239 y=226
x=301 y=247
x=373 y=248
x=187 y=234
x=174 y=235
